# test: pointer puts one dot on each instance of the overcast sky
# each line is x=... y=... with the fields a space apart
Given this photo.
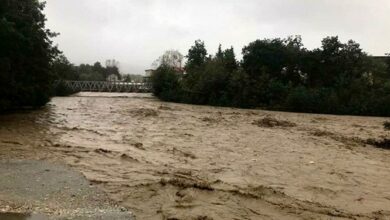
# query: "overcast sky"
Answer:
x=136 y=32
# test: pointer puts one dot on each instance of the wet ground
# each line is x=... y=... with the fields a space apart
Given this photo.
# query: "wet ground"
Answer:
x=29 y=186
x=173 y=161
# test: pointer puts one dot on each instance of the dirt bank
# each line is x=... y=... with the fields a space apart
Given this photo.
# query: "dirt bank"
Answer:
x=173 y=161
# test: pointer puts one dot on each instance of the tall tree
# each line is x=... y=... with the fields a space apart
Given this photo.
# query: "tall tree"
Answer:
x=219 y=54
x=25 y=55
x=172 y=58
x=265 y=56
x=197 y=55
x=229 y=59
x=388 y=63
x=63 y=69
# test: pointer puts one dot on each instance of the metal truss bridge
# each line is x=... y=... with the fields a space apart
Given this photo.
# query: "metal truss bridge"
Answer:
x=107 y=86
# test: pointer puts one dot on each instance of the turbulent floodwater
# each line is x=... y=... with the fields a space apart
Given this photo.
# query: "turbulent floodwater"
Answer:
x=174 y=161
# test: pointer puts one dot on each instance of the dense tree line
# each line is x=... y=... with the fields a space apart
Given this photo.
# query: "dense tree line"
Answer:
x=274 y=73
x=26 y=54
x=64 y=70
x=30 y=64
x=281 y=74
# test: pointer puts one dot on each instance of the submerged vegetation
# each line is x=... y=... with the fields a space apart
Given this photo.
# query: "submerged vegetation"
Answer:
x=338 y=78
x=386 y=125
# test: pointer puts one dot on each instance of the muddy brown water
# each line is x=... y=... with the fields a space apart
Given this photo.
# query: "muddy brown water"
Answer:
x=174 y=161
x=16 y=216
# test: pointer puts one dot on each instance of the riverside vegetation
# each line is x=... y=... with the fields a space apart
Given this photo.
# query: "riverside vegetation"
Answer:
x=281 y=74
x=338 y=78
x=30 y=63
x=26 y=55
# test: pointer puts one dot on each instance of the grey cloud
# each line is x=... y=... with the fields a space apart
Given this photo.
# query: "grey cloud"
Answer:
x=136 y=32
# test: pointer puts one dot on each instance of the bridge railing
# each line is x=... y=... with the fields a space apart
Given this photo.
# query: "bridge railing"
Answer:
x=107 y=86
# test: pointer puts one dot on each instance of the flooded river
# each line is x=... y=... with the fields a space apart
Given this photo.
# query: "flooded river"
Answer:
x=15 y=216
x=175 y=161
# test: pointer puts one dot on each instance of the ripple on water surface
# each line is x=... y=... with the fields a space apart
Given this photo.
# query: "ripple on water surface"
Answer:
x=18 y=216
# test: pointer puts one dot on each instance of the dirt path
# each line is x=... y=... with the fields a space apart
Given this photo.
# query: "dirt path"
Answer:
x=173 y=161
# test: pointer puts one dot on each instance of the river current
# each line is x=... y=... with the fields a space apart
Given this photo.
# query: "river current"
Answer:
x=176 y=161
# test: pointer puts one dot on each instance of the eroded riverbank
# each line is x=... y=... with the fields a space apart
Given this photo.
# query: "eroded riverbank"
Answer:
x=174 y=161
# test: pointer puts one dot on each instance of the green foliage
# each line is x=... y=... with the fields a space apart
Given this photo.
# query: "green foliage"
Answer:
x=127 y=78
x=60 y=89
x=95 y=72
x=208 y=81
x=87 y=72
x=388 y=63
x=280 y=59
x=338 y=78
x=197 y=55
x=300 y=99
x=25 y=55
x=239 y=91
x=172 y=58
x=63 y=69
x=165 y=81
x=264 y=53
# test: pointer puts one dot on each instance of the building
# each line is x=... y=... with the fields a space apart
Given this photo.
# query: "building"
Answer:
x=148 y=75
x=149 y=72
x=112 y=78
